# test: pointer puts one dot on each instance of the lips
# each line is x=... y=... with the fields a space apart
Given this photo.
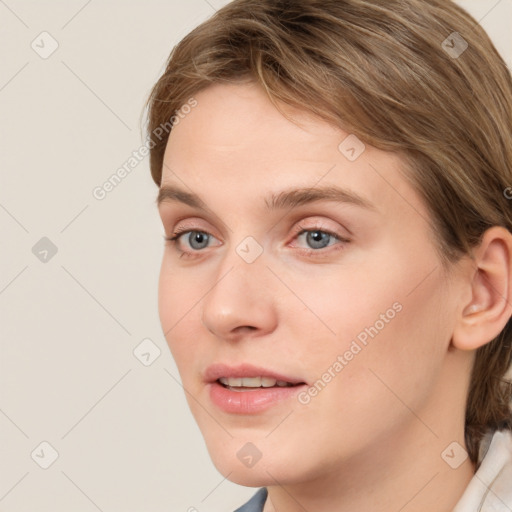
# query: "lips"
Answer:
x=248 y=389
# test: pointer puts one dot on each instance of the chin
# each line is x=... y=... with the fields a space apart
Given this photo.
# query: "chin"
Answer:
x=249 y=477
x=248 y=467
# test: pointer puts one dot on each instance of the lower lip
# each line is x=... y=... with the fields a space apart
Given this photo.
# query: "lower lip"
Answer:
x=253 y=401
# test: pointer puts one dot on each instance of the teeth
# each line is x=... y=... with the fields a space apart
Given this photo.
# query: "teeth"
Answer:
x=253 y=382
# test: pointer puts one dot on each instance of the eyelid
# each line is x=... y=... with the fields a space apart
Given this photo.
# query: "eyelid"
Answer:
x=316 y=225
x=298 y=228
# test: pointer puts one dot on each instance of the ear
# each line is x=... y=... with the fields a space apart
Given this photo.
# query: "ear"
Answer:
x=490 y=287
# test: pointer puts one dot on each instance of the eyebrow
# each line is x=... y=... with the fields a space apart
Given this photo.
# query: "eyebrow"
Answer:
x=286 y=199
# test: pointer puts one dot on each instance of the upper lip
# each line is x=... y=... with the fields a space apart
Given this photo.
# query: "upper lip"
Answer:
x=218 y=370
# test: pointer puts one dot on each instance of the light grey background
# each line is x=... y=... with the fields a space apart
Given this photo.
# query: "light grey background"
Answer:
x=125 y=438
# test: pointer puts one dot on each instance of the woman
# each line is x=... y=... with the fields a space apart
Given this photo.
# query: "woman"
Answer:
x=336 y=288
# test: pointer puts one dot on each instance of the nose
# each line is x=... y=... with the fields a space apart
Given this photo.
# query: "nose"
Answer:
x=240 y=302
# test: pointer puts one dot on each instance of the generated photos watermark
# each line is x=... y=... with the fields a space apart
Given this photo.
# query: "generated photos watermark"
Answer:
x=101 y=191
x=356 y=346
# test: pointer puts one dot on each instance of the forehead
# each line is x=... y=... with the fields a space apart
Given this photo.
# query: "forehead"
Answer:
x=234 y=117
x=236 y=144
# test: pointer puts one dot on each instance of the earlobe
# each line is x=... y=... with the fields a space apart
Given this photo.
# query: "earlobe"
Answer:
x=490 y=282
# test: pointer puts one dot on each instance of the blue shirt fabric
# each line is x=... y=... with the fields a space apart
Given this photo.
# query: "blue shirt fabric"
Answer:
x=256 y=503
x=490 y=490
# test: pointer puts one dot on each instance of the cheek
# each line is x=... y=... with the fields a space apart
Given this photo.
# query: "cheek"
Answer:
x=372 y=336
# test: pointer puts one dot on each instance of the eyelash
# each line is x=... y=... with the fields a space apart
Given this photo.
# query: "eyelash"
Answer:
x=173 y=241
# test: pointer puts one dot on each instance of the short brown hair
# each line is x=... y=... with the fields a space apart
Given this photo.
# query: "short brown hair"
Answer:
x=382 y=70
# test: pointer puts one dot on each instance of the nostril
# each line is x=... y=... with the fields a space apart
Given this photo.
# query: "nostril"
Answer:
x=245 y=327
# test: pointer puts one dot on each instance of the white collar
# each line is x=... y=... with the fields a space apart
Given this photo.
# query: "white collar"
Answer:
x=490 y=489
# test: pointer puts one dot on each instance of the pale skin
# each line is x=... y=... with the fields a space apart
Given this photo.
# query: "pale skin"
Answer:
x=372 y=439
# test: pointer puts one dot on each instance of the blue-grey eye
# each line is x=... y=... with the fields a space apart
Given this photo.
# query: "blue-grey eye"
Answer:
x=199 y=237
x=318 y=239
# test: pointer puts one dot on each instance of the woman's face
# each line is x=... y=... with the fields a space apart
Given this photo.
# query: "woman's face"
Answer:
x=342 y=297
